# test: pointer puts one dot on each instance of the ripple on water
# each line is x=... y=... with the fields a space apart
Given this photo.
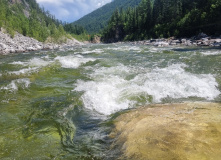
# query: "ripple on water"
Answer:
x=16 y=84
x=209 y=53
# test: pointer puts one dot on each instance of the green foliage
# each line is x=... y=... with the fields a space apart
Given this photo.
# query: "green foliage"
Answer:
x=11 y=32
x=98 y=19
x=29 y=19
x=74 y=29
x=164 y=18
x=82 y=37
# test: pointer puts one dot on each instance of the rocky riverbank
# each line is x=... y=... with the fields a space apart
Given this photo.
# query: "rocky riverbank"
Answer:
x=170 y=131
x=199 y=40
x=21 y=43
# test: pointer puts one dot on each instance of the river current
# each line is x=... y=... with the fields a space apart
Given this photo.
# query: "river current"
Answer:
x=60 y=104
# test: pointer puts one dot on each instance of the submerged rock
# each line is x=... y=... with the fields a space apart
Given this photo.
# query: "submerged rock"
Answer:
x=170 y=131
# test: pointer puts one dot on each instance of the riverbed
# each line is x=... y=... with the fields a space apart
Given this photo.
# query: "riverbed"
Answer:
x=60 y=104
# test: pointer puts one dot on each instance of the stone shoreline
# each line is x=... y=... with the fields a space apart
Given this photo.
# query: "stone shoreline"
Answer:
x=22 y=43
x=200 y=40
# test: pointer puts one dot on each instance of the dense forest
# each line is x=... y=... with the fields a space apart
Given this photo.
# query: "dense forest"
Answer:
x=74 y=29
x=27 y=18
x=133 y=20
x=98 y=19
x=164 y=18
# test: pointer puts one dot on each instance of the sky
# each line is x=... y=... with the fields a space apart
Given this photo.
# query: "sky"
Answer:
x=71 y=10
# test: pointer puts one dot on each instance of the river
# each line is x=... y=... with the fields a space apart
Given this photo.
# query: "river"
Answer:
x=60 y=104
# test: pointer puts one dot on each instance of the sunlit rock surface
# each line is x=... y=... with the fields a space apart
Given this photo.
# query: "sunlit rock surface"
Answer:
x=188 y=131
x=20 y=43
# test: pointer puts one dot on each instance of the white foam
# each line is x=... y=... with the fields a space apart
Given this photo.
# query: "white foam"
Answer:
x=103 y=96
x=34 y=62
x=73 y=61
x=18 y=63
x=174 y=82
x=38 y=62
x=15 y=84
x=154 y=49
x=208 y=53
x=132 y=48
x=24 y=71
x=117 y=70
x=158 y=49
x=33 y=65
x=126 y=48
x=110 y=91
x=93 y=51
x=45 y=57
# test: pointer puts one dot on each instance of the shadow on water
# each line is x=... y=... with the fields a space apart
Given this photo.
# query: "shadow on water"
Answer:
x=189 y=49
x=81 y=133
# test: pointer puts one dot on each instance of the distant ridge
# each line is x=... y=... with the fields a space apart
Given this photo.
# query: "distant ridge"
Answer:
x=97 y=20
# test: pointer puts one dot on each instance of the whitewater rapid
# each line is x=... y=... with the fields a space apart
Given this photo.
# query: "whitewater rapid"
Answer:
x=122 y=77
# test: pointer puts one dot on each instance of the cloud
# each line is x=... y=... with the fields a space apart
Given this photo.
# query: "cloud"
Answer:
x=71 y=10
x=55 y=2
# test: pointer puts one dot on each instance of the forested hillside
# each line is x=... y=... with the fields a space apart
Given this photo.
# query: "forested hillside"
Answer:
x=165 y=18
x=27 y=18
x=99 y=18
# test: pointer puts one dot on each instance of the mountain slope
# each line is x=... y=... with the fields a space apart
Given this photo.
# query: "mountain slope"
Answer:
x=165 y=18
x=27 y=18
x=97 y=20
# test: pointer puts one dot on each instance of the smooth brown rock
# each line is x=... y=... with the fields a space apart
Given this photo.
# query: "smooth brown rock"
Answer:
x=188 y=131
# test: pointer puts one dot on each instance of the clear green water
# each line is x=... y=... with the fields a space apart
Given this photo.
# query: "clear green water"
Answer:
x=57 y=104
